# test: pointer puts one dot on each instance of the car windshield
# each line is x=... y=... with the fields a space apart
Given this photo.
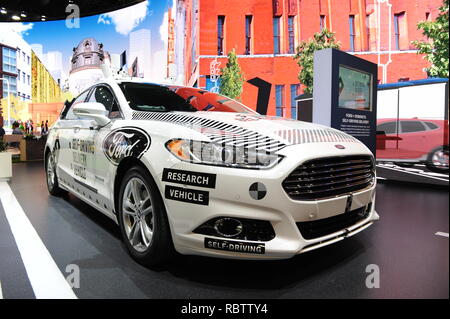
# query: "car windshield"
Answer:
x=160 y=98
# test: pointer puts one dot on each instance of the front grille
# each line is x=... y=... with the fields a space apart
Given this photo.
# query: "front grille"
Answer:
x=326 y=226
x=329 y=177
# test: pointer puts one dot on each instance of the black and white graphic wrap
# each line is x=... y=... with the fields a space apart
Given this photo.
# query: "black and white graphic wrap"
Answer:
x=219 y=132
x=125 y=142
x=302 y=136
x=229 y=134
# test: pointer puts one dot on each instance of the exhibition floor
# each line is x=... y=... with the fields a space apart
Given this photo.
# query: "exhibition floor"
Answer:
x=413 y=260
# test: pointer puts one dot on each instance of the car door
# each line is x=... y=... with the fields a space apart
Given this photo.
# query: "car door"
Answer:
x=103 y=169
x=387 y=140
x=413 y=139
x=75 y=143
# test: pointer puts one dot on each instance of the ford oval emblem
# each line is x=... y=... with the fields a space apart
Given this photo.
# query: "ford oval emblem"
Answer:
x=125 y=142
x=340 y=147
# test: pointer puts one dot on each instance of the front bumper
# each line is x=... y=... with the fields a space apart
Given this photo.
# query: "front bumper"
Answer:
x=231 y=197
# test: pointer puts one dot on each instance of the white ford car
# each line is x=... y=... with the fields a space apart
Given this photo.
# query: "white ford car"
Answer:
x=185 y=170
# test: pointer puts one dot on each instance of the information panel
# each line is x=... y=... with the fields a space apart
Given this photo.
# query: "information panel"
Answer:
x=345 y=94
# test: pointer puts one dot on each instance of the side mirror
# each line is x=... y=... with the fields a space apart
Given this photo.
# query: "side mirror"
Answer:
x=94 y=110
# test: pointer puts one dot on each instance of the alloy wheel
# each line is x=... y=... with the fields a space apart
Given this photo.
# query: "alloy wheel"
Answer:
x=440 y=159
x=137 y=214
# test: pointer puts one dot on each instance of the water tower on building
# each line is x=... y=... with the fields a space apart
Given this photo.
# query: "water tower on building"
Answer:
x=86 y=62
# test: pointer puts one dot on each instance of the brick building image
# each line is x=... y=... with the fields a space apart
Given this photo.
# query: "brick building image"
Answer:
x=265 y=34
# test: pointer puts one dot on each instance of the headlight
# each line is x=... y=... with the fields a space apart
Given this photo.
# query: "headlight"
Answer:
x=209 y=153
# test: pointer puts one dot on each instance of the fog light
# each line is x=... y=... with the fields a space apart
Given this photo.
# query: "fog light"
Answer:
x=228 y=227
x=237 y=228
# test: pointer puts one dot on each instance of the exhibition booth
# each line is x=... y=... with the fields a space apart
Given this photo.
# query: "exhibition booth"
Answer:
x=127 y=187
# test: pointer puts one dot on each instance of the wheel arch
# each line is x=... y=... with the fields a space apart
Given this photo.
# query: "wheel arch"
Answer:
x=124 y=165
x=436 y=148
x=46 y=151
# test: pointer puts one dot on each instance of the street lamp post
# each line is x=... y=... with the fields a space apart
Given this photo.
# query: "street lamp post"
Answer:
x=9 y=103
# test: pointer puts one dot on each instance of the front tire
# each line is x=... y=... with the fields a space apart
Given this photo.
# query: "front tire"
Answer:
x=143 y=219
x=52 y=179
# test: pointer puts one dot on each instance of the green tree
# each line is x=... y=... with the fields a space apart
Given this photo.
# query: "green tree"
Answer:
x=435 y=47
x=232 y=79
x=305 y=55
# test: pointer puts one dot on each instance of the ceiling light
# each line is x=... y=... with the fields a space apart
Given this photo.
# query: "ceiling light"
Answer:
x=43 y=18
x=15 y=17
x=23 y=15
x=3 y=11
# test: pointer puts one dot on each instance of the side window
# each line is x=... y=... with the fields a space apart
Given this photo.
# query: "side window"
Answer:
x=80 y=99
x=104 y=96
x=412 y=126
x=388 y=128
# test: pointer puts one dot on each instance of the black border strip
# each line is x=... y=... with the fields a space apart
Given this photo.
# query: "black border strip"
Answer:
x=92 y=189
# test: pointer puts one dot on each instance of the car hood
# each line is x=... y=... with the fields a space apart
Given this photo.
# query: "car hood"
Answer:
x=267 y=132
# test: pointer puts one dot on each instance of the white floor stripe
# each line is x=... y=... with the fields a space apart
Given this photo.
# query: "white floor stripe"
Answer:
x=1 y=292
x=45 y=277
x=439 y=233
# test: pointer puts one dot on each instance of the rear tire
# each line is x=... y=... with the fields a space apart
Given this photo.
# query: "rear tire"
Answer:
x=52 y=178
x=437 y=160
x=143 y=219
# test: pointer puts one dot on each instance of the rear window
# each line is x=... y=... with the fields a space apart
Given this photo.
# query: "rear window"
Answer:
x=159 y=98
x=431 y=125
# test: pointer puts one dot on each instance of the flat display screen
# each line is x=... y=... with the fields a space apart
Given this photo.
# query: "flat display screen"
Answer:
x=355 y=89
